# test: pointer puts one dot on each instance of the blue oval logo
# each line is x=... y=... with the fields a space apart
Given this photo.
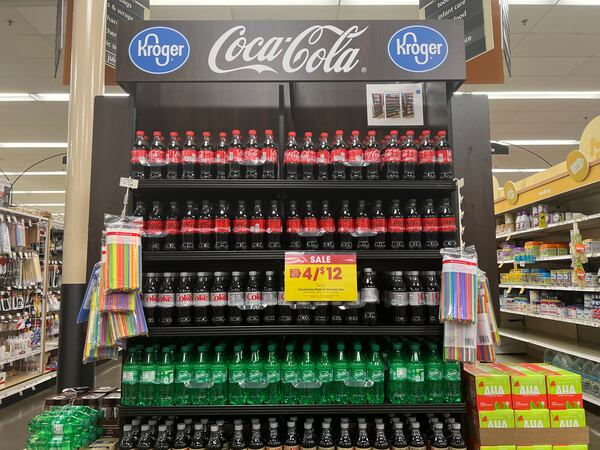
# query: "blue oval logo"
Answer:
x=418 y=48
x=159 y=50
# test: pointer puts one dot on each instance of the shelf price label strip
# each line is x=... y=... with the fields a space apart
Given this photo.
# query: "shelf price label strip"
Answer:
x=320 y=277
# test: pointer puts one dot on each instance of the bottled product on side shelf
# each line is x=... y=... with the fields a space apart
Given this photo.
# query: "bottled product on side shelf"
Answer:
x=236 y=373
x=548 y=279
x=530 y=218
x=253 y=298
x=532 y=251
x=399 y=433
x=252 y=225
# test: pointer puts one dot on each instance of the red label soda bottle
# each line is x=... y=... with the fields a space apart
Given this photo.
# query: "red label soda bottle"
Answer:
x=356 y=156
x=206 y=157
x=345 y=226
x=240 y=227
x=173 y=157
x=222 y=226
x=257 y=227
x=251 y=156
x=190 y=156
x=392 y=157
x=444 y=157
x=139 y=156
x=274 y=227
x=269 y=156
x=205 y=226
x=308 y=157
x=430 y=225
x=221 y=156
x=235 y=155
x=323 y=158
x=372 y=157
x=293 y=225
x=157 y=157
x=395 y=226
x=291 y=157
x=427 y=157
x=410 y=157
x=339 y=156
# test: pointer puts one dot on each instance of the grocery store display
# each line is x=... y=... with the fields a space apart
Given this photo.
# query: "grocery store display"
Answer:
x=529 y=219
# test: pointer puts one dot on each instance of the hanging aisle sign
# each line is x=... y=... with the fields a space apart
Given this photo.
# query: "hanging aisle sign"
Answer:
x=320 y=277
x=291 y=50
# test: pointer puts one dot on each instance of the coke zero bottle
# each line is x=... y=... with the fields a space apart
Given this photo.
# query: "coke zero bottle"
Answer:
x=378 y=226
x=205 y=226
x=157 y=157
x=447 y=224
x=154 y=227
x=395 y=226
x=222 y=226
x=397 y=299
x=166 y=300
x=172 y=228
x=321 y=315
x=427 y=157
x=416 y=298
x=308 y=157
x=221 y=152
x=410 y=156
x=183 y=300
x=372 y=157
x=218 y=299
x=206 y=157
x=251 y=156
x=444 y=158
x=257 y=227
x=303 y=313
x=362 y=226
x=339 y=156
x=150 y=286
x=269 y=298
x=293 y=227
x=345 y=226
x=138 y=157
x=269 y=156
x=235 y=156
x=173 y=157
x=326 y=227
x=253 y=299
x=191 y=158
x=235 y=299
x=413 y=226
x=291 y=157
x=240 y=227
x=392 y=157
x=356 y=156
x=274 y=227
x=432 y=297
x=189 y=228
x=369 y=297
x=310 y=227
x=285 y=312
x=201 y=298
x=323 y=158
x=430 y=225
x=336 y=313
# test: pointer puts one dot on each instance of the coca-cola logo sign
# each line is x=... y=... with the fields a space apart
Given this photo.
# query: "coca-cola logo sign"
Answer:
x=418 y=48
x=159 y=50
x=236 y=51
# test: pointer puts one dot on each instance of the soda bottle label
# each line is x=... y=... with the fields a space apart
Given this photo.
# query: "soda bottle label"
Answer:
x=393 y=155
x=410 y=155
x=398 y=372
x=363 y=224
x=427 y=156
x=341 y=374
x=183 y=299
x=369 y=295
x=257 y=225
x=397 y=298
x=235 y=298
x=291 y=156
x=308 y=157
x=253 y=299
x=307 y=375
x=252 y=155
x=166 y=300
x=339 y=155
x=239 y=226
x=172 y=227
x=413 y=225
x=138 y=156
x=269 y=298
x=274 y=225
x=205 y=226
x=174 y=156
x=434 y=373
x=189 y=155
x=220 y=156
x=201 y=375
x=399 y=448
x=447 y=224
x=272 y=376
x=378 y=225
x=416 y=298
x=444 y=156
x=153 y=227
x=432 y=298
x=327 y=225
x=281 y=298
x=222 y=225
x=148 y=376
x=269 y=154
x=415 y=374
x=291 y=447
x=289 y=376
x=325 y=376
x=130 y=376
x=156 y=157
x=188 y=225
x=294 y=225
x=395 y=225
x=236 y=375
x=372 y=155
x=355 y=155
x=219 y=376
x=255 y=375
x=358 y=375
x=166 y=376
x=183 y=375
x=150 y=300
x=218 y=298
x=430 y=224
x=376 y=375
x=310 y=225
x=235 y=154
x=323 y=157
x=345 y=225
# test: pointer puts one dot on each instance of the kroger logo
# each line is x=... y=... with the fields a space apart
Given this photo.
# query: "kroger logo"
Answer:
x=159 y=50
x=418 y=48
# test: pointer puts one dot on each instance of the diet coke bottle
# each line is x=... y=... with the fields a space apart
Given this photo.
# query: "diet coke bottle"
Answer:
x=206 y=158
x=356 y=156
x=323 y=158
x=253 y=299
x=345 y=226
x=274 y=227
x=205 y=226
x=291 y=157
x=240 y=227
x=392 y=157
x=201 y=298
x=257 y=227
x=308 y=157
x=151 y=284
x=183 y=300
x=410 y=156
x=157 y=157
x=372 y=157
x=339 y=156
x=139 y=156
x=269 y=156
x=235 y=299
x=190 y=157
x=173 y=157
x=269 y=298
x=222 y=226
x=166 y=300
x=293 y=225
x=221 y=152
x=397 y=299
x=235 y=155
x=218 y=299
x=251 y=156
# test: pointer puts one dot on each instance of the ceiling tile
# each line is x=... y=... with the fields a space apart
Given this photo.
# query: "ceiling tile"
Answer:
x=509 y=128
x=590 y=67
x=562 y=105
x=42 y=18
x=509 y=106
x=557 y=45
x=25 y=47
x=13 y=24
x=534 y=66
x=570 y=19
x=577 y=83
x=540 y=117
x=27 y=67
x=523 y=18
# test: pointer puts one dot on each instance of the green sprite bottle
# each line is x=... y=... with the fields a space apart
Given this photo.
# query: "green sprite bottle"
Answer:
x=130 y=379
x=218 y=372
x=272 y=376
x=397 y=383
x=201 y=378
x=434 y=375
x=147 y=378
x=415 y=376
x=341 y=375
x=255 y=377
x=324 y=369
x=183 y=376
x=237 y=375
x=358 y=376
x=376 y=374
x=451 y=383
x=307 y=374
x=289 y=376
x=165 y=378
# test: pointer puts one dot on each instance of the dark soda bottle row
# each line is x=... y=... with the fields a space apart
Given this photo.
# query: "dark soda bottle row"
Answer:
x=441 y=432
x=254 y=298
x=361 y=226
x=227 y=158
x=397 y=158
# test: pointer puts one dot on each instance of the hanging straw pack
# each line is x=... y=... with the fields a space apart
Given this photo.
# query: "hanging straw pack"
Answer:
x=458 y=297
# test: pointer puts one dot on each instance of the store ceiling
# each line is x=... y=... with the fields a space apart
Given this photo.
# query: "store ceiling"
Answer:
x=555 y=48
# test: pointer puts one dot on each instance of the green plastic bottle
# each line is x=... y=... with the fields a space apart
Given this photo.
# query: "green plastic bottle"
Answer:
x=183 y=376
x=147 y=378
x=324 y=376
x=289 y=376
x=358 y=376
x=397 y=383
x=130 y=379
x=452 y=387
x=341 y=375
x=376 y=374
x=272 y=376
x=165 y=379
x=218 y=371
x=255 y=377
x=201 y=378
x=307 y=374
x=415 y=371
x=434 y=375
x=237 y=375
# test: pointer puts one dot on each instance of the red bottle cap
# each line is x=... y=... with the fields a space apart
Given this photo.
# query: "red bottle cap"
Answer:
x=394 y=132
x=173 y=134
x=426 y=132
x=156 y=133
x=139 y=133
x=371 y=133
x=190 y=133
x=324 y=134
x=410 y=133
x=292 y=134
x=222 y=134
x=252 y=132
x=442 y=133
x=235 y=132
x=206 y=133
x=268 y=131
x=355 y=132
x=308 y=134
x=338 y=132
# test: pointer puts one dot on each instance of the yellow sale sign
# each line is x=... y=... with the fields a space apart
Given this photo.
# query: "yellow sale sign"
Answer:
x=320 y=277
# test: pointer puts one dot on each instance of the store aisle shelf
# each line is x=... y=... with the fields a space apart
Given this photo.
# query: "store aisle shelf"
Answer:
x=549 y=288
x=586 y=222
x=591 y=399
x=19 y=357
x=553 y=342
x=594 y=324
x=546 y=259
x=21 y=383
x=251 y=255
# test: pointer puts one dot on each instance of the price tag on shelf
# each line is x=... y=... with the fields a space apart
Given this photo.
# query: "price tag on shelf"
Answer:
x=128 y=183
x=521 y=290
x=543 y=220
x=508 y=238
x=508 y=291
x=500 y=265
x=321 y=277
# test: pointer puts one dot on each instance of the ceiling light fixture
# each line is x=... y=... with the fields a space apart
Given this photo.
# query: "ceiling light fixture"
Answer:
x=33 y=145
x=43 y=204
x=517 y=170
x=39 y=174
x=53 y=97
x=15 y=97
x=39 y=192
x=525 y=142
x=537 y=95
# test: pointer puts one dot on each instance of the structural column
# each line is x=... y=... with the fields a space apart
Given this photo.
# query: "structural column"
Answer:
x=87 y=81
